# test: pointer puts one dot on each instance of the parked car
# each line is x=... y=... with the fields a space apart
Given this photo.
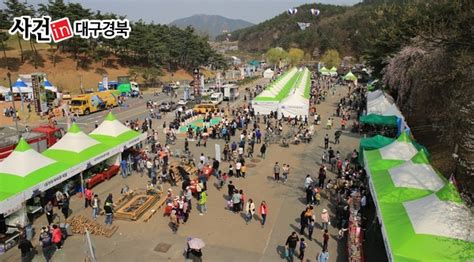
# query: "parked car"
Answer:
x=168 y=106
x=182 y=102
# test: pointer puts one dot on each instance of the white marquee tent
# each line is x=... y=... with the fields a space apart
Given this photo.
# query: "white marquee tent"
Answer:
x=296 y=103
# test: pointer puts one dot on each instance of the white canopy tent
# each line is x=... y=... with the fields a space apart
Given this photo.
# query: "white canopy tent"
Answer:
x=296 y=104
x=268 y=74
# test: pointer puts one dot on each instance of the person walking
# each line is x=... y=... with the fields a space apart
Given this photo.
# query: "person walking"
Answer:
x=290 y=245
x=263 y=149
x=326 y=141
x=26 y=249
x=48 y=209
x=174 y=222
x=202 y=203
x=323 y=256
x=243 y=170
x=311 y=228
x=325 y=239
x=276 y=171
x=302 y=249
x=108 y=209
x=263 y=212
x=46 y=244
x=324 y=219
x=123 y=168
x=95 y=207
x=286 y=171
x=230 y=190
x=57 y=237
x=88 y=197
x=236 y=199
x=250 y=211
x=65 y=206
x=322 y=176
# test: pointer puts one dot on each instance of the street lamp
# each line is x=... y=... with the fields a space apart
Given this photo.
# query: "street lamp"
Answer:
x=14 y=107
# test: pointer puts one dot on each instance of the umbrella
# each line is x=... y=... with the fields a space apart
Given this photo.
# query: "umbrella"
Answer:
x=196 y=243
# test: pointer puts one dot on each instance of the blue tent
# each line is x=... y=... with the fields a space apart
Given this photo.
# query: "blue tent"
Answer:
x=20 y=83
x=47 y=83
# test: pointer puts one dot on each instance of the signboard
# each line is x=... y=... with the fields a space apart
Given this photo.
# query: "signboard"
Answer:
x=218 y=152
x=39 y=93
x=105 y=82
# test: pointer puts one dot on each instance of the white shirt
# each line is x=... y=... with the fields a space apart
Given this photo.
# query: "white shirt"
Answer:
x=241 y=151
x=308 y=181
x=238 y=165
x=202 y=158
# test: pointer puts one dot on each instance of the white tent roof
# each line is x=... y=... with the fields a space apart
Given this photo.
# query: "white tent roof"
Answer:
x=420 y=176
x=373 y=95
x=22 y=89
x=4 y=90
x=430 y=215
x=110 y=128
x=22 y=163
x=398 y=150
x=75 y=142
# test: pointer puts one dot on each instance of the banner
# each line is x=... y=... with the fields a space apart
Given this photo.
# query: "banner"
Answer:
x=218 y=152
x=105 y=82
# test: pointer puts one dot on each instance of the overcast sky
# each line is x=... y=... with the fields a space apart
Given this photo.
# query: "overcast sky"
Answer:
x=165 y=11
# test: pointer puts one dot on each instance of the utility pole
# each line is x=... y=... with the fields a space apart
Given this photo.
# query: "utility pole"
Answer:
x=14 y=107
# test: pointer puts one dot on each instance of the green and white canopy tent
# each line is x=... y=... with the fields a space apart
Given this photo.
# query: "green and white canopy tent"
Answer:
x=297 y=101
x=113 y=133
x=350 y=77
x=324 y=71
x=72 y=154
x=270 y=98
x=422 y=215
x=333 y=71
x=22 y=174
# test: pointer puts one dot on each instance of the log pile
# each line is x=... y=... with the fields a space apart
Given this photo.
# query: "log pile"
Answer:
x=136 y=206
x=79 y=224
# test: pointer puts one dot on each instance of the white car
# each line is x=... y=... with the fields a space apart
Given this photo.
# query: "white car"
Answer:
x=182 y=102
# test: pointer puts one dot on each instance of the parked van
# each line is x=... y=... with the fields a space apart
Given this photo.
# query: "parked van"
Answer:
x=217 y=98
x=205 y=108
x=89 y=103
x=231 y=92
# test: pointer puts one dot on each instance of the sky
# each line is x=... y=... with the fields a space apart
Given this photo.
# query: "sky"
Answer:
x=165 y=11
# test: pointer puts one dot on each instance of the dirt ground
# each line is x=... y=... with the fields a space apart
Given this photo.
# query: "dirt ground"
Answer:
x=227 y=236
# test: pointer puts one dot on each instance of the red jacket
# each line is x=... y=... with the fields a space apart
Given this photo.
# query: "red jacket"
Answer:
x=263 y=209
x=57 y=235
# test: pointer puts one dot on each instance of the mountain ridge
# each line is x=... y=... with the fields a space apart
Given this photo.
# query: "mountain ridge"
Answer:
x=211 y=25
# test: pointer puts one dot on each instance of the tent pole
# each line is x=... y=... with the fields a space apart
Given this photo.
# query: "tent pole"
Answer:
x=82 y=184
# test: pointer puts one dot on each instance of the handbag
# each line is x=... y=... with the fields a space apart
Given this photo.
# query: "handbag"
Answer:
x=287 y=253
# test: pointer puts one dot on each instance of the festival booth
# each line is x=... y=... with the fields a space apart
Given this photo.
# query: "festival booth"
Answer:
x=381 y=104
x=71 y=155
x=268 y=74
x=350 y=77
x=20 y=87
x=49 y=86
x=324 y=71
x=269 y=99
x=296 y=102
x=421 y=213
x=333 y=71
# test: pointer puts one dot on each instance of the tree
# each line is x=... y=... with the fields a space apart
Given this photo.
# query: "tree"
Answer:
x=331 y=58
x=295 y=56
x=15 y=9
x=275 y=55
